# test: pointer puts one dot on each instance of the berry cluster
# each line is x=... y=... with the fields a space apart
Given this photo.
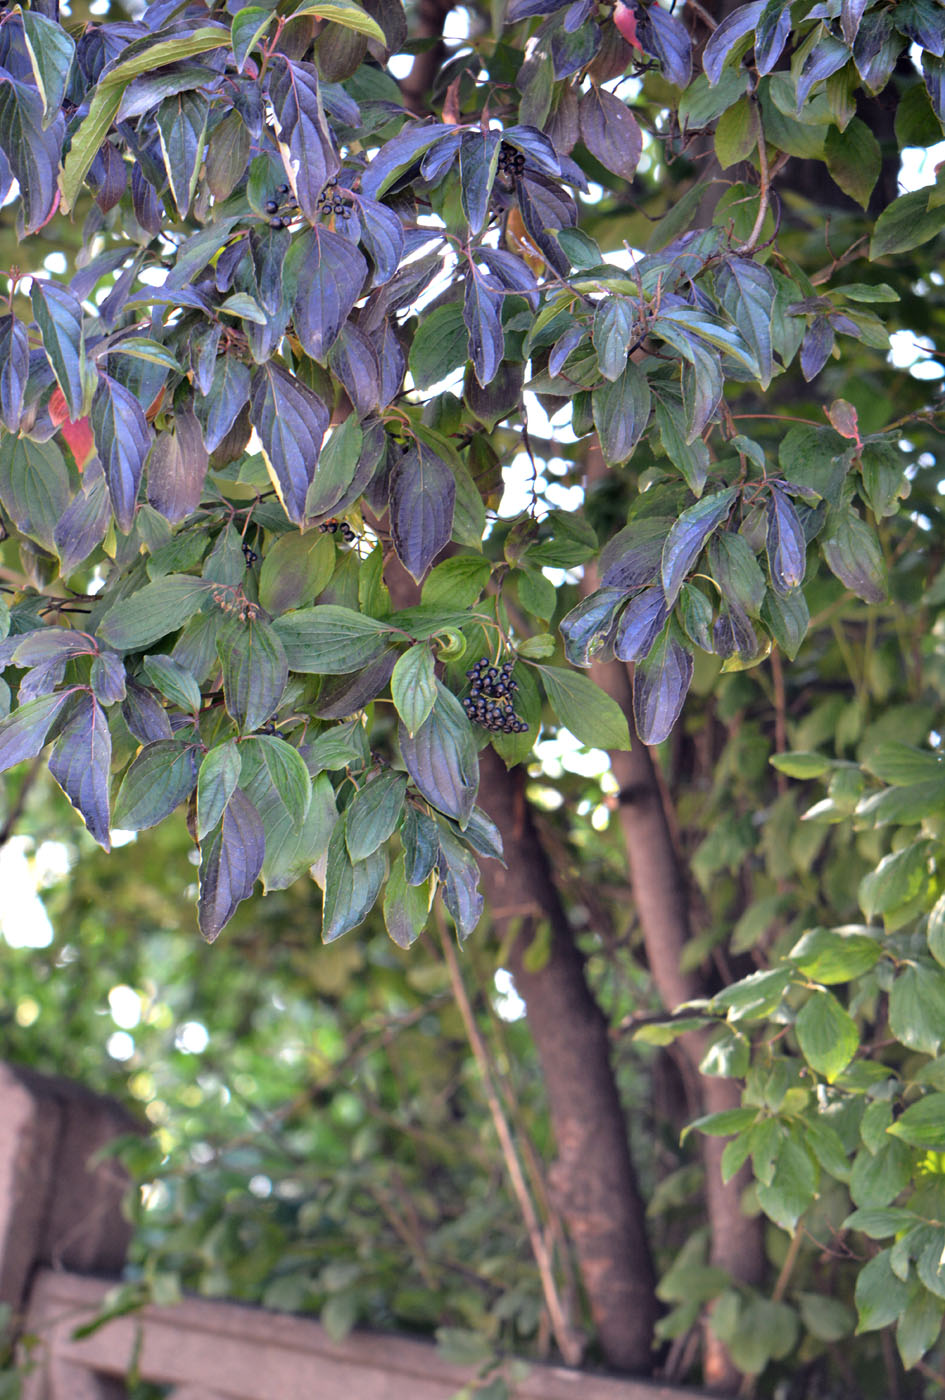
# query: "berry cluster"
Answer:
x=489 y=701
x=232 y=600
x=282 y=209
x=335 y=526
x=331 y=202
x=249 y=554
x=511 y=161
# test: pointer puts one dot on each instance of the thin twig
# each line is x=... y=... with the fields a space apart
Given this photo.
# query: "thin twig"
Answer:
x=16 y=811
x=765 y=195
x=568 y=1343
x=780 y=715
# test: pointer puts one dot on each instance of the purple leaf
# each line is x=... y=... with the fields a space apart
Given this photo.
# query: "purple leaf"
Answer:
x=441 y=757
x=660 y=684
x=663 y=36
x=217 y=411
x=382 y=234
x=611 y=132
x=14 y=371
x=422 y=496
x=255 y=672
x=688 y=535
x=399 y=154
x=354 y=360
x=23 y=733
x=177 y=467
x=291 y=422
x=231 y=859
x=82 y=525
x=145 y=717
x=123 y=440
x=816 y=347
x=727 y=34
x=81 y=762
x=52 y=644
x=785 y=543
x=331 y=277
x=307 y=150
x=642 y=621
x=482 y=314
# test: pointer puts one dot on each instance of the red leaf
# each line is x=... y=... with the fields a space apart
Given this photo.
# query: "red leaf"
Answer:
x=77 y=432
x=626 y=21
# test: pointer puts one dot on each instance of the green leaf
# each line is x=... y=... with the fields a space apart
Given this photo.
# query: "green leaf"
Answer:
x=828 y=957
x=249 y=25
x=413 y=686
x=935 y=931
x=722 y=1124
x=216 y=781
x=255 y=671
x=737 y=132
x=372 y=815
x=298 y=816
x=897 y=879
x=34 y=487
x=133 y=623
x=182 y=124
x=329 y=640
x=919 y=1327
x=346 y=13
x=917 y=1008
x=406 y=907
x=827 y=1319
x=456 y=583
x=439 y=345
x=52 y=51
x=880 y=1295
x=798 y=764
x=586 y=710
x=854 y=160
x=162 y=776
x=793 y=1184
x=687 y=537
x=879 y=1224
x=827 y=1035
x=174 y=682
x=106 y=99
x=621 y=413
x=905 y=224
x=923 y=1123
x=350 y=888
x=295 y=570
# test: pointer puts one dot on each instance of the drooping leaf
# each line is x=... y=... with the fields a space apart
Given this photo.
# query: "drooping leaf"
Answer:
x=255 y=671
x=405 y=907
x=216 y=781
x=852 y=552
x=34 y=487
x=330 y=276
x=688 y=536
x=291 y=422
x=459 y=876
x=640 y=624
x=727 y=34
x=228 y=391
x=123 y=441
x=181 y=123
x=827 y=1034
x=351 y=888
x=373 y=813
x=611 y=132
x=14 y=371
x=585 y=629
x=32 y=149
x=441 y=757
x=162 y=776
x=482 y=315
x=173 y=681
x=422 y=500
x=305 y=140
x=478 y=161
x=748 y=292
x=58 y=314
x=295 y=570
x=230 y=861
x=177 y=468
x=621 y=413
x=80 y=762
x=612 y=334
x=784 y=542
x=660 y=684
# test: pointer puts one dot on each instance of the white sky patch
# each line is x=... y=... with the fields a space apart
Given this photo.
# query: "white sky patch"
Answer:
x=912 y=352
x=917 y=166
x=192 y=1037
x=399 y=65
x=125 y=1006
x=24 y=922
x=120 y=1045
x=507 y=1002
x=456 y=26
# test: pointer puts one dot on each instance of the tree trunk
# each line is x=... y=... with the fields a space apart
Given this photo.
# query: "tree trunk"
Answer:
x=593 y=1181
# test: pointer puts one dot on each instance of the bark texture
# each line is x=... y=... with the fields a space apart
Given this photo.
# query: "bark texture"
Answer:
x=593 y=1180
